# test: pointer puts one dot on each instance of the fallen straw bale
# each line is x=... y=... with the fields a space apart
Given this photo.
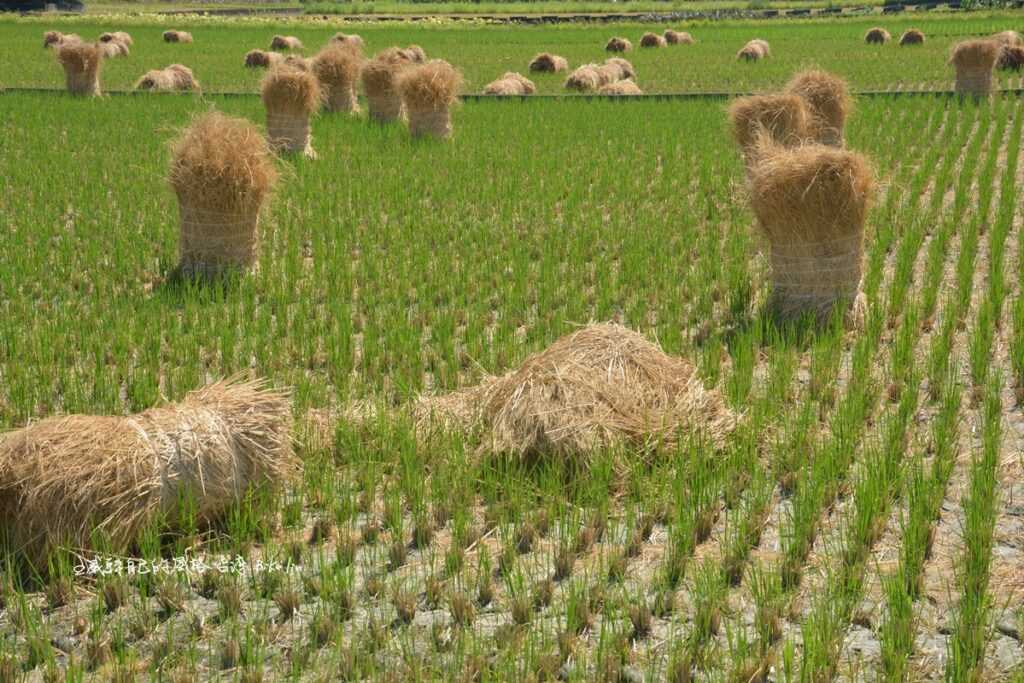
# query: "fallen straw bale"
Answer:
x=176 y=77
x=545 y=62
x=415 y=54
x=173 y=36
x=828 y=103
x=348 y=40
x=113 y=49
x=623 y=66
x=379 y=76
x=751 y=52
x=117 y=37
x=52 y=38
x=600 y=387
x=652 y=40
x=625 y=87
x=974 y=61
x=1008 y=38
x=511 y=83
x=64 y=479
x=618 y=45
x=260 y=59
x=585 y=78
x=1011 y=58
x=912 y=37
x=291 y=96
x=285 y=43
x=877 y=36
x=783 y=117
x=337 y=68
x=428 y=92
x=82 y=63
x=811 y=202
x=678 y=37
x=222 y=173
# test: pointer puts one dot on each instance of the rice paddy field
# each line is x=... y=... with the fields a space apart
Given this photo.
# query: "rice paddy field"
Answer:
x=862 y=523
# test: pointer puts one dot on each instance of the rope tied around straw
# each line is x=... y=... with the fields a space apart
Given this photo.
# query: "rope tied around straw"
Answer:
x=290 y=133
x=343 y=100
x=213 y=241
x=436 y=122
x=974 y=83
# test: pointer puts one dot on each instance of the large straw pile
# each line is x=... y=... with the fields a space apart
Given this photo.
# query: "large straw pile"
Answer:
x=828 y=103
x=811 y=202
x=222 y=173
x=619 y=45
x=626 y=87
x=285 y=43
x=678 y=37
x=117 y=37
x=652 y=40
x=511 y=83
x=337 y=68
x=173 y=36
x=877 y=36
x=64 y=479
x=379 y=76
x=82 y=63
x=546 y=62
x=974 y=61
x=176 y=77
x=601 y=387
x=912 y=37
x=291 y=96
x=259 y=59
x=428 y=92
x=784 y=118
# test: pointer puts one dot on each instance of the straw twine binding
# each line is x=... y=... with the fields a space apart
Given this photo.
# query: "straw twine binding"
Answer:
x=290 y=133
x=384 y=107
x=435 y=122
x=213 y=242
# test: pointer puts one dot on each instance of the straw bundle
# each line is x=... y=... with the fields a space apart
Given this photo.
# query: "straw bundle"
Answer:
x=177 y=37
x=64 y=478
x=828 y=102
x=82 y=63
x=348 y=40
x=415 y=54
x=546 y=62
x=51 y=38
x=620 y=88
x=619 y=45
x=622 y=66
x=285 y=43
x=113 y=49
x=1008 y=38
x=290 y=96
x=511 y=83
x=428 y=91
x=912 y=37
x=379 y=76
x=783 y=117
x=337 y=68
x=678 y=37
x=877 y=36
x=586 y=78
x=1011 y=58
x=117 y=37
x=810 y=204
x=751 y=52
x=258 y=59
x=974 y=61
x=176 y=77
x=652 y=40
x=222 y=173
x=601 y=387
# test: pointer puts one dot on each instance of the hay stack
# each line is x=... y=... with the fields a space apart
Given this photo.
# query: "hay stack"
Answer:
x=623 y=69
x=177 y=37
x=546 y=62
x=379 y=77
x=113 y=49
x=619 y=45
x=912 y=37
x=1008 y=38
x=620 y=88
x=348 y=40
x=974 y=61
x=652 y=40
x=753 y=51
x=176 y=77
x=258 y=59
x=810 y=203
x=117 y=37
x=1011 y=58
x=783 y=118
x=415 y=54
x=828 y=103
x=601 y=387
x=877 y=36
x=428 y=92
x=64 y=478
x=511 y=83
x=337 y=68
x=82 y=63
x=291 y=96
x=678 y=37
x=285 y=43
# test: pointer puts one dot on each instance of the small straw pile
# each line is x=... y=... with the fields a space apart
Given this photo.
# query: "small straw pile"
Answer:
x=337 y=68
x=113 y=48
x=877 y=36
x=619 y=45
x=415 y=54
x=511 y=83
x=652 y=40
x=62 y=479
x=117 y=37
x=545 y=62
x=625 y=87
x=592 y=77
x=285 y=43
x=222 y=173
x=82 y=63
x=912 y=37
x=349 y=40
x=259 y=59
x=828 y=102
x=601 y=387
x=176 y=77
x=291 y=96
x=974 y=61
x=379 y=76
x=53 y=38
x=784 y=118
x=428 y=92
x=678 y=37
x=177 y=37
x=811 y=202
x=754 y=50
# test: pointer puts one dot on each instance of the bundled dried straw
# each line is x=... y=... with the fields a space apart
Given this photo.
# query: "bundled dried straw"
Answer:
x=337 y=68
x=82 y=63
x=678 y=37
x=810 y=203
x=176 y=77
x=415 y=54
x=290 y=96
x=877 y=36
x=379 y=76
x=52 y=38
x=349 y=40
x=1008 y=38
x=974 y=61
x=546 y=62
x=113 y=49
x=828 y=103
x=752 y=51
x=620 y=88
x=619 y=45
x=222 y=173
x=258 y=59
x=1011 y=58
x=117 y=37
x=586 y=78
x=511 y=83
x=652 y=40
x=428 y=92
x=601 y=387
x=620 y=68
x=783 y=118
x=912 y=37
x=177 y=37
x=285 y=43
x=64 y=478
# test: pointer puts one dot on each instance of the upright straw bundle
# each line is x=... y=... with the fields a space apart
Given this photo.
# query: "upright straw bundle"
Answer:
x=428 y=92
x=601 y=387
x=291 y=96
x=337 y=68
x=173 y=36
x=828 y=102
x=64 y=478
x=783 y=118
x=618 y=45
x=285 y=43
x=811 y=203
x=176 y=77
x=619 y=88
x=259 y=59
x=877 y=36
x=545 y=62
x=222 y=173
x=511 y=83
x=82 y=63
x=912 y=37
x=117 y=37
x=678 y=37
x=652 y=40
x=379 y=76
x=974 y=61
